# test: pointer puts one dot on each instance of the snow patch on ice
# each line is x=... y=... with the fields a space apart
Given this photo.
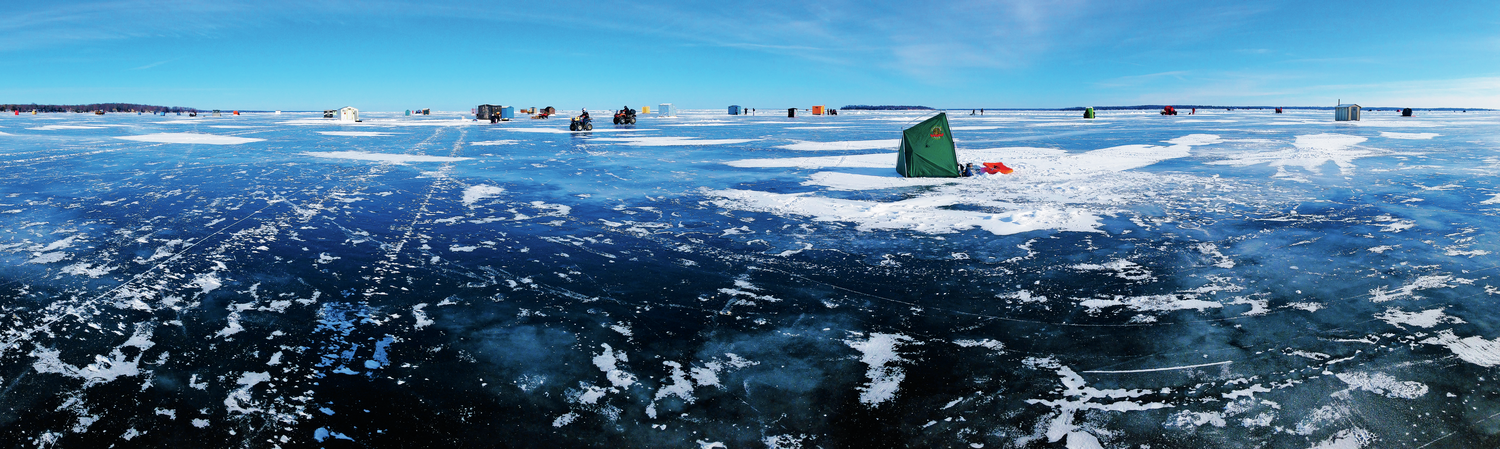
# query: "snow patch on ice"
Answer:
x=1077 y=396
x=1425 y=319
x=421 y=316
x=1409 y=136
x=1408 y=291
x=44 y=258
x=996 y=346
x=191 y=138
x=475 y=193
x=1354 y=438
x=104 y=369
x=1384 y=385
x=607 y=360
x=670 y=141
x=1187 y=419
x=57 y=127
x=383 y=157
x=1309 y=152
x=680 y=387
x=1120 y=268
x=206 y=281
x=87 y=269
x=356 y=133
x=1393 y=224
x=1152 y=303
x=884 y=373
x=877 y=160
x=1474 y=349
x=238 y=400
x=846 y=145
x=922 y=214
x=564 y=131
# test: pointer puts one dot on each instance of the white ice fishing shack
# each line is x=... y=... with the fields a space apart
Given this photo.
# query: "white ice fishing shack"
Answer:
x=348 y=114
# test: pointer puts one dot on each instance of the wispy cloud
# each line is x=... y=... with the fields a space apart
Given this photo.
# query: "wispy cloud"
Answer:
x=44 y=24
x=154 y=64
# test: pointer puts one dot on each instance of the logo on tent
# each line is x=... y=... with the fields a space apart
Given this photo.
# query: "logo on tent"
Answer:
x=937 y=132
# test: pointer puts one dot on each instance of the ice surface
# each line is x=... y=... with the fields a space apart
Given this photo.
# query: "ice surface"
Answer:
x=1234 y=278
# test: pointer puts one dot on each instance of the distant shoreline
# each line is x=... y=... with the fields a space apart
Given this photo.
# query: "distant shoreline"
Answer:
x=91 y=107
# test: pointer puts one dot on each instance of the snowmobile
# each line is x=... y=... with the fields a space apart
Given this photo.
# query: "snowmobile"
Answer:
x=625 y=116
x=583 y=123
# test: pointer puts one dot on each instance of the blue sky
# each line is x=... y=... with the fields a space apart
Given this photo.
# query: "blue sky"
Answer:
x=386 y=55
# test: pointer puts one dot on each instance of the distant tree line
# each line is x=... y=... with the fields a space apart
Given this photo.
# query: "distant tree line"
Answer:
x=864 y=107
x=106 y=107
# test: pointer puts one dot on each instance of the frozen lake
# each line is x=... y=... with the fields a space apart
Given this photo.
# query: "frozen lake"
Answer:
x=1224 y=279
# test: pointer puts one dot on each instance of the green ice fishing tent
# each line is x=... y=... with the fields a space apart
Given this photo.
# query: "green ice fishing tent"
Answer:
x=927 y=150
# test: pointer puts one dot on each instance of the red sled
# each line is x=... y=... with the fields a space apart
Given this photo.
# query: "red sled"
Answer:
x=997 y=167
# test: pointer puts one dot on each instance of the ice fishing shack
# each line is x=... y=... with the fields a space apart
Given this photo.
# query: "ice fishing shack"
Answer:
x=1346 y=112
x=486 y=111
